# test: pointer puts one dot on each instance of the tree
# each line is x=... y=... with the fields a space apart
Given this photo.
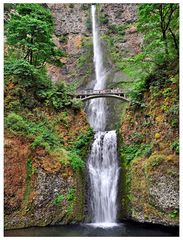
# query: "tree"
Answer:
x=30 y=30
x=160 y=25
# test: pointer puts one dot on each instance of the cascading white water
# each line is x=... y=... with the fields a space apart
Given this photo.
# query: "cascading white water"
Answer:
x=96 y=108
x=102 y=162
x=103 y=169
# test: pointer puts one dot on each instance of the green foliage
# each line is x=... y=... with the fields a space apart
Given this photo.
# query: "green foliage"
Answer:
x=159 y=48
x=175 y=146
x=75 y=160
x=172 y=113
x=16 y=122
x=88 y=24
x=136 y=95
x=86 y=57
x=25 y=74
x=63 y=118
x=71 y=194
x=30 y=31
x=77 y=104
x=82 y=142
x=103 y=19
x=155 y=91
x=164 y=18
x=117 y=29
x=134 y=150
x=33 y=83
x=57 y=96
x=70 y=208
x=69 y=197
x=167 y=92
x=29 y=168
x=40 y=133
x=173 y=214
x=83 y=139
x=58 y=199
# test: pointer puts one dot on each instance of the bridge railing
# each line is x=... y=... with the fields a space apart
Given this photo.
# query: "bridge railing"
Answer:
x=93 y=92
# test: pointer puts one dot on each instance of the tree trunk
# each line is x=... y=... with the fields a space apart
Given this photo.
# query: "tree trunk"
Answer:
x=175 y=41
x=166 y=43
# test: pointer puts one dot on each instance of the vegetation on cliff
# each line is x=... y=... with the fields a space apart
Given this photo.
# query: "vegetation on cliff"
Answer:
x=150 y=139
x=41 y=115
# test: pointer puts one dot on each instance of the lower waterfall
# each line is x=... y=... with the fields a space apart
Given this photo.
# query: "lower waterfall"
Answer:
x=103 y=172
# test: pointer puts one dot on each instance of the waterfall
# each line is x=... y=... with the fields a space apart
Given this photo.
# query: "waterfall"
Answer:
x=102 y=162
x=96 y=109
x=103 y=169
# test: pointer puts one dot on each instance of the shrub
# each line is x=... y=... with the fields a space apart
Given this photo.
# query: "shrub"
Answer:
x=70 y=197
x=58 y=199
x=71 y=194
x=175 y=146
x=24 y=73
x=83 y=139
x=57 y=96
x=82 y=142
x=103 y=19
x=16 y=123
x=77 y=104
x=75 y=161
x=117 y=29
x=173 y=214
x=88 y=24
x=62 y=117
x=132 y=151
x=40 y=133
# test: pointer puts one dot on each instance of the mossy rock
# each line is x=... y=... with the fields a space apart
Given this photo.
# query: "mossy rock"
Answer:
x=153 y=189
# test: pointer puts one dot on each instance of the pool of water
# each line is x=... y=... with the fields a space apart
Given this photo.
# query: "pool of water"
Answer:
x=85 y=230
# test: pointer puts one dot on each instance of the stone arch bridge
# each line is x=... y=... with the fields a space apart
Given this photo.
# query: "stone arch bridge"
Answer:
x=85 y=95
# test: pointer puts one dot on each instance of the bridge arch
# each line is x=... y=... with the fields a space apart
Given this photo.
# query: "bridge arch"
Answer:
x=85 y=95
x=86 y=98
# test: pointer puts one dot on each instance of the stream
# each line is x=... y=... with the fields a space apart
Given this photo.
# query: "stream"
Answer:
x=129 y=229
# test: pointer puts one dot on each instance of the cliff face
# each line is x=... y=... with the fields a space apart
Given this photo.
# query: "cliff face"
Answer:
x=149 y=156
x=73 y=31
x=42 y=187
x=70 y=30
x=73 y=35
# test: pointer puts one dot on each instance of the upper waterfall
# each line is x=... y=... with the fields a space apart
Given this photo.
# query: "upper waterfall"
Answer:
x=96 y=108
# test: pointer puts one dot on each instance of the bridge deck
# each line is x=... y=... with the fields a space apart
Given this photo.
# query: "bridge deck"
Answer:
x=96 y=92
x=90 y=94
